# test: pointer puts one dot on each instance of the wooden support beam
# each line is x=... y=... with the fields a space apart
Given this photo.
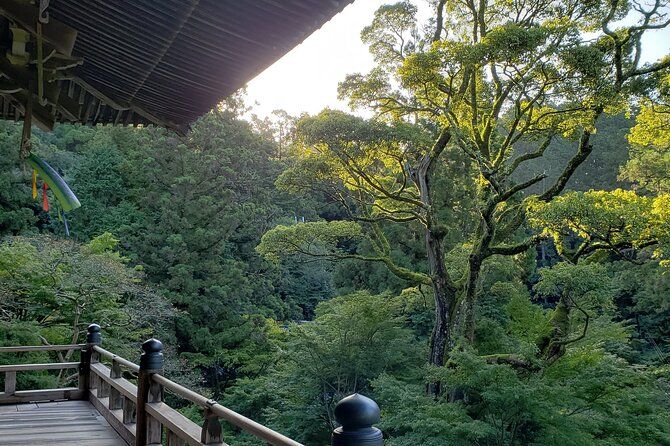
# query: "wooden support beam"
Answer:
x=211 y=429
x=17 y=83
x=69 y=107
x=154 y=427
x=129 y=411
x=26 y=143
x=176 y=424
x=57 y=34
x=8 y=87
x=115 y=396
x=125 y=388
x=61 y=62
x=119 y=105
x=21 y=76
x=147 y=428
x=42 y=116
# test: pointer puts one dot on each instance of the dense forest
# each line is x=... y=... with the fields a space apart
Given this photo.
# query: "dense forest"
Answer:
x=486 y=257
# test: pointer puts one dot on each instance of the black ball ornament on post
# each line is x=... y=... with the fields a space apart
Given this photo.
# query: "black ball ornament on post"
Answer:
x=357 y=413
x=152 y=355
x=93 y=334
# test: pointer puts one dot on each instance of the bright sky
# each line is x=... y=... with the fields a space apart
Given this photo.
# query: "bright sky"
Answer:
x=305 y=80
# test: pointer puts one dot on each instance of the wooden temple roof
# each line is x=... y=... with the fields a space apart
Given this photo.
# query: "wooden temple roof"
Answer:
x=142 y=61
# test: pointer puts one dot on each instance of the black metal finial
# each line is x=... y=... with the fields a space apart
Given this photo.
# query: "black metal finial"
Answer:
x=93 y=334
x=357 y=413
x=152 y=355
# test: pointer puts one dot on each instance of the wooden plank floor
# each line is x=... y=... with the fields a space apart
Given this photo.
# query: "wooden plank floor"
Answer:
x=66 y=423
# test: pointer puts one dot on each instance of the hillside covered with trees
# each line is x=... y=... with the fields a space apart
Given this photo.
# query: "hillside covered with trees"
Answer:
x=487 y=256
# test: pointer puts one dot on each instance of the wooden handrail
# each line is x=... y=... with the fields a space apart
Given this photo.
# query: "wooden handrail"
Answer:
x=11 y=395
x=124 y=362
x=138 y=413
x=49 y=366
x=39 y=348
x=246 y=424
x=175 y=423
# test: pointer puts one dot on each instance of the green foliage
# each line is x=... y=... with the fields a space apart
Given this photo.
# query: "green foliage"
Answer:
x=58 y=287
x=315 y=238
x=583 y=281
x=352 y=341
x=392 y=22
x=512 y=42
x=56 y=282
x=649 y=161
x=572 y=401
x=100 y=185
x=17 y=213
x=186 y=213
x=616 y=221
x=641 y=297
x=496 y=406
x=528 y=322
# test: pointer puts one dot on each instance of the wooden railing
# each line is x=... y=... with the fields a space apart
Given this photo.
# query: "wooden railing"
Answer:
x=139 y=413
x=11 y=395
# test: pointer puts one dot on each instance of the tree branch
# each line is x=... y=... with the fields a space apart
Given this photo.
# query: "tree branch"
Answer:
x=439 y=20
x=509 y=193
x=399 y=271
x=510 y=250
x=584 y=150
x=586 y=326
x=512 y=360
x=530 y=155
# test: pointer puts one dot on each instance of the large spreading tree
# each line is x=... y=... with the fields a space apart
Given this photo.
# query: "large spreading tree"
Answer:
x=454 y=102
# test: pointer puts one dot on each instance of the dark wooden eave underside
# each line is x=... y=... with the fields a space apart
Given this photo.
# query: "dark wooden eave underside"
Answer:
x=167 y=62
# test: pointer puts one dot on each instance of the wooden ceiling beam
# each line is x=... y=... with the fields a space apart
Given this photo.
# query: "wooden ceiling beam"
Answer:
x=59 y=35
x=67 y=106
x=20 y=78
x=121 y=106
x=42 y=116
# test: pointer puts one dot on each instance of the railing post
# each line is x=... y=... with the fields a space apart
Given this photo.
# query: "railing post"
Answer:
x=357 y=413
x=129 y=411
x=147 y=429
x=10 y=383
x=115 y=397
x=211 y=427
x=93 y=338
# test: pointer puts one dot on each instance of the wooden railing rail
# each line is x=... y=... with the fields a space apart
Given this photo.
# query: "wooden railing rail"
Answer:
x=140 y=415
x=115 y=358
x=11 y=395
x=44 y=366
x=214 y=411
x=36 y=348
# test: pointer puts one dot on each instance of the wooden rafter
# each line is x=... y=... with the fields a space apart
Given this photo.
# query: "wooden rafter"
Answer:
x=163 y=63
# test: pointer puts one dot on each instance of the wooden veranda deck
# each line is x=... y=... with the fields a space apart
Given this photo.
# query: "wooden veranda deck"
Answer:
x=106 y=409
x=64 y=423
